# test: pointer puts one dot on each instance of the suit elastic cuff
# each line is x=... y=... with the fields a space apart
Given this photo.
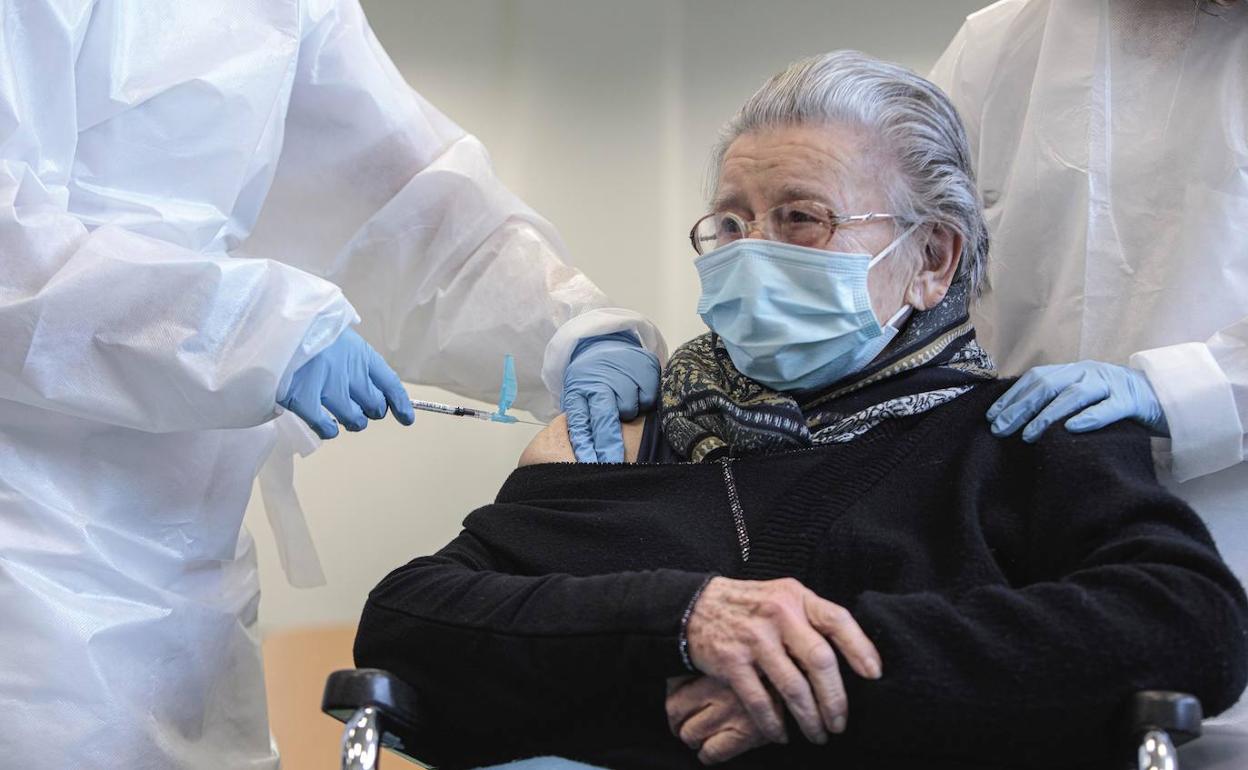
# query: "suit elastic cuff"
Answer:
x=605 y=320
x=323 y=329
x=1205 y=430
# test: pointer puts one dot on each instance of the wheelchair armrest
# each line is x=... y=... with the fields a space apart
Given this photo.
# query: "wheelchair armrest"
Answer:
x=1178 y=714
x=354 y=688
x=395 y=702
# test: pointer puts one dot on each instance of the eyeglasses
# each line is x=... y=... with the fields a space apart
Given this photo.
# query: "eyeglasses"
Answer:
x=800 y=223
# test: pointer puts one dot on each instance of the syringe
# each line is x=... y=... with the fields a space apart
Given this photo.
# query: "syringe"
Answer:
x=467 y=411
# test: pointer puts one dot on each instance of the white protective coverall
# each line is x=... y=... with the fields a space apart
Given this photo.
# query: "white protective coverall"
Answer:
x=146 y=149
x=1111 y=143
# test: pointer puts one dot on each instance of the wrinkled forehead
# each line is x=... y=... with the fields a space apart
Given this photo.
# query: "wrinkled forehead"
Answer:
x=835 y=164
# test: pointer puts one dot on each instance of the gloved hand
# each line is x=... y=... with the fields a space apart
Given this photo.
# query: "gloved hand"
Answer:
x=1109 y=392
x=611 y=378
x=351 y=380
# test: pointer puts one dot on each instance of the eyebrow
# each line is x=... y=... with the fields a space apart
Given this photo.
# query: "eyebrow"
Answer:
x=796 y=192
x=729 y=200
x=735 y=199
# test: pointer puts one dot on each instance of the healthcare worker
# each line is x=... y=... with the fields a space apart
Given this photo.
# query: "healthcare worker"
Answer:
x=1112 y=151
x=197 y=200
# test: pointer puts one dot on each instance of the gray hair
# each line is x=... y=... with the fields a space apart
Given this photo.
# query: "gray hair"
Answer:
x=913 y=117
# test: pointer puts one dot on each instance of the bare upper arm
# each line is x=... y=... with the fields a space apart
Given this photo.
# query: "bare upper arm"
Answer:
x=552 y=444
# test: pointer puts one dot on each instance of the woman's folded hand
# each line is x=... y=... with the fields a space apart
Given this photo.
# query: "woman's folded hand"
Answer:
x=708 y=717
x=782 y=629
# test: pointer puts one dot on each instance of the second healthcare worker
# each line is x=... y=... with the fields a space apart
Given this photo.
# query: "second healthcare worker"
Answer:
x=1111 y=143
x=197 y=201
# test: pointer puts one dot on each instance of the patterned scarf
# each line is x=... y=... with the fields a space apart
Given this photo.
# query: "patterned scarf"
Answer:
x=711 y=410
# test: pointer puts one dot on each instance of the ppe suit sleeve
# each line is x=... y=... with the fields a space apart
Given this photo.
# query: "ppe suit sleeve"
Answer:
x=382 y=194
x=109 y=325
x=1203 y=390
x=1098 y=606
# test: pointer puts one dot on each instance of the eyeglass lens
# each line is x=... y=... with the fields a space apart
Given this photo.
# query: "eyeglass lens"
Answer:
x=800 y=223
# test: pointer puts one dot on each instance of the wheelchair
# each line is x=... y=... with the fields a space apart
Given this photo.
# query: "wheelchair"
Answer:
x=380 y=711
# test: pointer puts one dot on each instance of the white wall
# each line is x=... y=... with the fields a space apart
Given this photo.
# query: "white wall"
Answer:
x=600 y=115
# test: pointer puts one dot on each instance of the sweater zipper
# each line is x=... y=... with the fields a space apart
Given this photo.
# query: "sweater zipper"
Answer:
x=738 y=513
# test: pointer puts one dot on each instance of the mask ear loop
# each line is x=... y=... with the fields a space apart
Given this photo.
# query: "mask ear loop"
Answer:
x=892 y=246
x=905 y=308
x=900 y=316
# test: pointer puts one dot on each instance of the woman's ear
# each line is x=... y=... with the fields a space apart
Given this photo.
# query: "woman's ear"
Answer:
x=941 y=255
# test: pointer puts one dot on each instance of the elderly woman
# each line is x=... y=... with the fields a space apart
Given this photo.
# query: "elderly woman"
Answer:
x=819 y=556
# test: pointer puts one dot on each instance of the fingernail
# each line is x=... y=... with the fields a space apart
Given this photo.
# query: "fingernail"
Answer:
x=873 y=670
x=821 y=738
x=838 y=725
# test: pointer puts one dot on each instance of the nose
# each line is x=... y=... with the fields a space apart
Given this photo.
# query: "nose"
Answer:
x=755 y=230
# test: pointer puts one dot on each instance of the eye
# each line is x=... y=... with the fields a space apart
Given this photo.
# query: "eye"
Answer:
x=799 y=217
x=715 y=230
x=802 y=224
x=730 y=226
x=801 y=213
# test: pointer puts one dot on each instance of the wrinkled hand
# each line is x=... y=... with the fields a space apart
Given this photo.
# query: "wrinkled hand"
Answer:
x=708 y=717
x=352 y=381
x=1106 y=393
x=782 y=629
x=611 y=377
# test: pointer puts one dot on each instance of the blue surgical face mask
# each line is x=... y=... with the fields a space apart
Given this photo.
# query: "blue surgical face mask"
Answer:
x=793 y=318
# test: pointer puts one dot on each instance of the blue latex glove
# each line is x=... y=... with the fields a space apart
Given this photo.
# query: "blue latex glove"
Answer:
x=611 y=378
x=352 y=381
x=1106 y=393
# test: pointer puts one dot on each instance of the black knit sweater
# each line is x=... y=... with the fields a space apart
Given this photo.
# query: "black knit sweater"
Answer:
x=1018 y=594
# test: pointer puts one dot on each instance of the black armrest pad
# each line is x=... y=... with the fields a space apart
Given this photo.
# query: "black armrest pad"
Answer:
x=1177 y=713
x=352 y=689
